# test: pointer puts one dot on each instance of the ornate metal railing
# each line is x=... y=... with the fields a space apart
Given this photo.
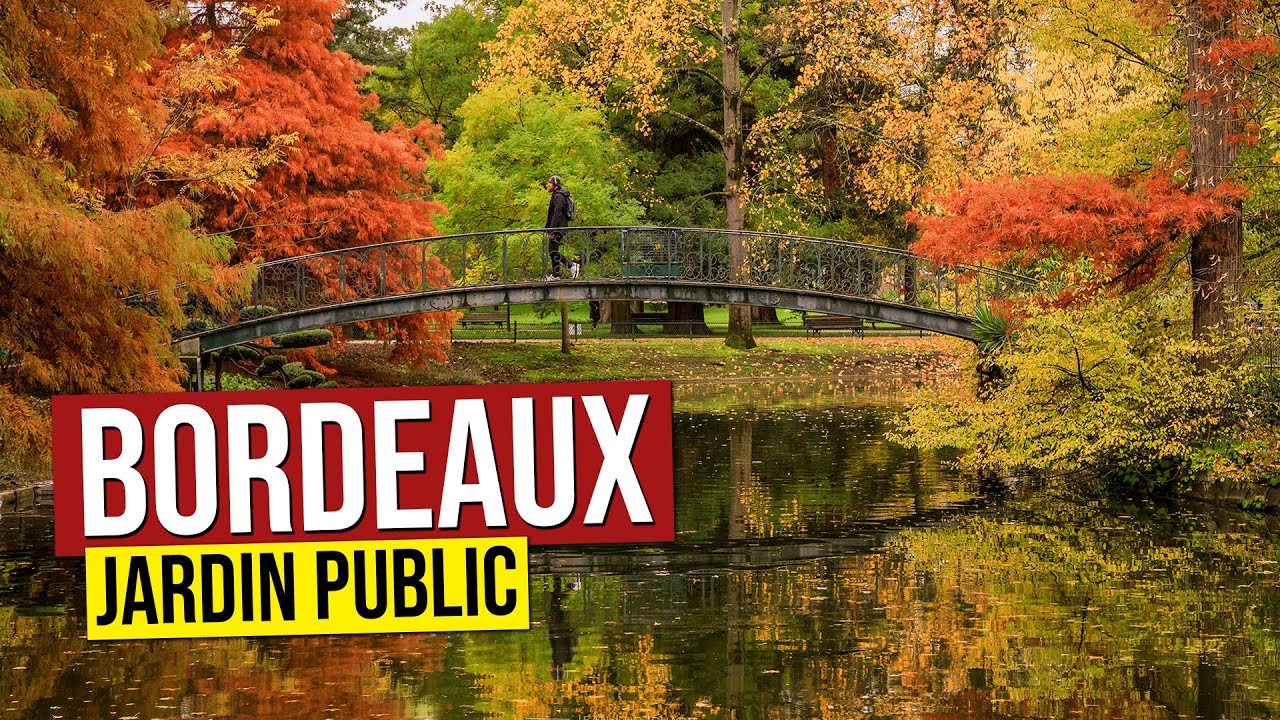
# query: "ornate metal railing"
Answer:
x=637 y=254
x=1264 y=337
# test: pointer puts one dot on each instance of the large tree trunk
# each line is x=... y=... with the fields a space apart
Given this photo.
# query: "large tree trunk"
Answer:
x=1217 y=251
x=618 y=314
x=740 y=335
x=765 y=315
x=685 y=318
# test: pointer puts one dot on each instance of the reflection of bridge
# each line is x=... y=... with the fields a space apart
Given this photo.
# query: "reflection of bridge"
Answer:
x=614 y=263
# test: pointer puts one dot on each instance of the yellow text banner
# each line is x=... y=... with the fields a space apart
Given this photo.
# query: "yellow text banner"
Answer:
x=308 y=588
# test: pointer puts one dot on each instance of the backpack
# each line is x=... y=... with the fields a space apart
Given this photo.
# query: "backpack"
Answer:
x=570 y=208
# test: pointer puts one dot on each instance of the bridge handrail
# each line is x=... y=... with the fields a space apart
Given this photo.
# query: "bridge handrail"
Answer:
x=905 y=254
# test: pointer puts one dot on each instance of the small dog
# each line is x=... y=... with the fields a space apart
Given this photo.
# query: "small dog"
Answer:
x=573 y=270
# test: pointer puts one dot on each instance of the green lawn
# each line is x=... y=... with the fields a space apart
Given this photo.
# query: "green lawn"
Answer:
x=533 y=322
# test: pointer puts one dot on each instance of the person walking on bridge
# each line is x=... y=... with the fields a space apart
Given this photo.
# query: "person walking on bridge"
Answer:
x=560 y=211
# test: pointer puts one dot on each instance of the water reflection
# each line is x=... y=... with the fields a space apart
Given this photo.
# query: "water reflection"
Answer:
x=820 y=572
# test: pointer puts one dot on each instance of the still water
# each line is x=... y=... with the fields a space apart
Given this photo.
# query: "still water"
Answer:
x=820 y=571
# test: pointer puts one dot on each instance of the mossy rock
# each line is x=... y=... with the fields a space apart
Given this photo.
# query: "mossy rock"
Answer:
x=303 y=339
x=257 y=312
x=271 y=363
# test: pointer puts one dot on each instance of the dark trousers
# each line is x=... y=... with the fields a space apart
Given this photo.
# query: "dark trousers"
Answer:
x=556 y=258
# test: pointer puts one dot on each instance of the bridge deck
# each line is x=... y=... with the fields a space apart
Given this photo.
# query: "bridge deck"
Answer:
x=613 y=263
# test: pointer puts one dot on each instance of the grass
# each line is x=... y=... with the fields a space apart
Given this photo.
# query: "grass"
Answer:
x=543 y=321
x=662 y=358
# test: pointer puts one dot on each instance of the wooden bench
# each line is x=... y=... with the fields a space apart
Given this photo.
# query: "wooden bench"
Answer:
x=648 y=318
x=490 y=317
x=817 y=323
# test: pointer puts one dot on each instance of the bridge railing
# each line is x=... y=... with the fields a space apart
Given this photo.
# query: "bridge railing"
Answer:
x=645 y=254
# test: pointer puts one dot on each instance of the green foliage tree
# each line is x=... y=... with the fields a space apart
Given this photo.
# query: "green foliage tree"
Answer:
x=438 y=72
x=511 y=140
x=355 y=33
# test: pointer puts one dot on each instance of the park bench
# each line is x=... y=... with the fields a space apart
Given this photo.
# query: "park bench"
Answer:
x=490 y=317
x=651 y=254
x=817 y=323
x=648 y=318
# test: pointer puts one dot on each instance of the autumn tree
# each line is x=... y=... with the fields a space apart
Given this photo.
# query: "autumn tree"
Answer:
x=627 y=58
x=342 y=183
x=1199 y=90
x=1087 y=232
x=72 y=122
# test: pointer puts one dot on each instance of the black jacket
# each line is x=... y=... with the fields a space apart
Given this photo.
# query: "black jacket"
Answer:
x=558 y=211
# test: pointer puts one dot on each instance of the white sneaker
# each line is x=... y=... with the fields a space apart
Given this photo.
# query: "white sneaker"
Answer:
x=553 y=277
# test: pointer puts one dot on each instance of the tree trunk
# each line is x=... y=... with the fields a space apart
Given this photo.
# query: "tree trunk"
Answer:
x=564 y=328
x=830 y=167
x=766 y=315
x=618 y=314
x=1217 y=251
x=685 y=318
x=740 y=335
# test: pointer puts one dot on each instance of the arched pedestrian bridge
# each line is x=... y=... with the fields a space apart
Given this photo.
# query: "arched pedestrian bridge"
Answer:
x=614 y=263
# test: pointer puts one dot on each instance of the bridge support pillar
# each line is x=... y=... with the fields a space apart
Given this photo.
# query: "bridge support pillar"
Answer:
x=189 y=354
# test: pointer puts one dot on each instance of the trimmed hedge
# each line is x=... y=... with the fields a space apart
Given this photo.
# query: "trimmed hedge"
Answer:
x=195 y=325
x=256 y=312
x=271 y=363
x=239 y=352
x=303 y=339
x=304 y=379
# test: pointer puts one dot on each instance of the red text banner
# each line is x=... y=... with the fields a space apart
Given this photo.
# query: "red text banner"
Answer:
x=563 y=463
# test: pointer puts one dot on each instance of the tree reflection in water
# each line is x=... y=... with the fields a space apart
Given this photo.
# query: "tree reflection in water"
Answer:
x=820 y=571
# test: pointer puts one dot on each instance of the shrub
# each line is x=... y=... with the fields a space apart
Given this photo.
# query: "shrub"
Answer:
x=304 y=379
x=270 y=364
x=1109 y=387
x=303 y=339
x=257 y=312
x=292 y=370
x=239 y=352
x=198 y=324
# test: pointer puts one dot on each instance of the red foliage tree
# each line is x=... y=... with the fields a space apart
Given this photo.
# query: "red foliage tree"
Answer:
x=341 y=184
x=1125 y=231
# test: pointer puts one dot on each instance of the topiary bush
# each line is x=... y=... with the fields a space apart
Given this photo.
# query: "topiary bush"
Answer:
x=304 y=379
x=257 y=312
x=303 y=339
x=198 y=324
x=271 y=363
x=292 y=370
x=239 y=352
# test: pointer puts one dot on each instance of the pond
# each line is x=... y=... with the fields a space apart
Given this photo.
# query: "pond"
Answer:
x=819 y=571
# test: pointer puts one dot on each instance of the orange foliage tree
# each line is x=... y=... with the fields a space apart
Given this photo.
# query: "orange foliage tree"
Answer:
x=70 y=117
x=1123 y=232
x=341 y=183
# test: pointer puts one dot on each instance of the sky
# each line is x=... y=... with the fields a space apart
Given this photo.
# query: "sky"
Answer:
x=414 y=11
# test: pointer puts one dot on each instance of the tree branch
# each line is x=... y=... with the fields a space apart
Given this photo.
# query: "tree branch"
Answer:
x=696 y=123
x=765 y=65
x=692 y=70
